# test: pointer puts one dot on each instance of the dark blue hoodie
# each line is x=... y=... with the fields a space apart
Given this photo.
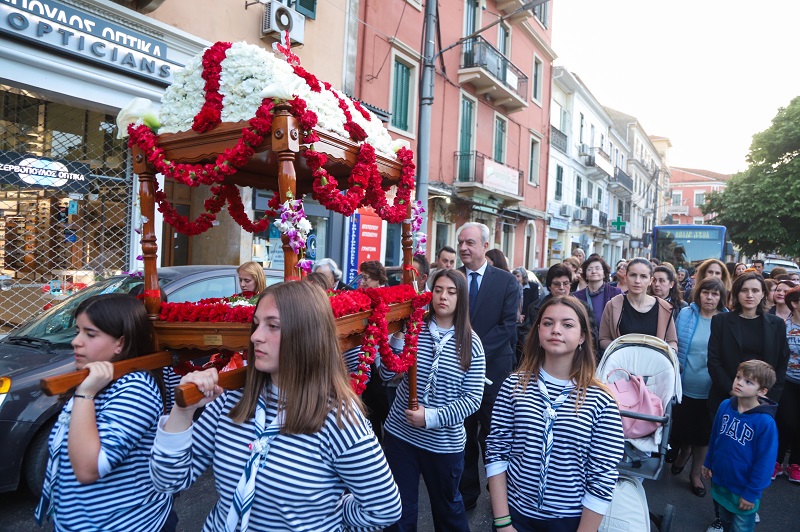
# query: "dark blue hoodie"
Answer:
x=741 y=454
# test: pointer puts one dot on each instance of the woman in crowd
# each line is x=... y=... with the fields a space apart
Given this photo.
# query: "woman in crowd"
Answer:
x=497 y=259
x=745 y=333
x=781 y=309
x=578 y=282
x=291 y=450
x=373 y=274
x=430 y=440
x=684 y=282
x=97 y=475
x=692 y=422
x=769 y=301
x=713 y=268
x=541 y=476
x=620 y=280
x=665 y=287
x=738 y=270
x=598 y=291
x=789 y=406
x=530 y=294
x=636 y=311
x=251 y=278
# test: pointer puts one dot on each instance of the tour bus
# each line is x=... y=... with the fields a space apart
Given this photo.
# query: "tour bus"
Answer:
x=688 y=245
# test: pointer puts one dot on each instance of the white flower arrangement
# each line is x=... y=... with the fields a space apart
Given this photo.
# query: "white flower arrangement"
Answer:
x=249 y=74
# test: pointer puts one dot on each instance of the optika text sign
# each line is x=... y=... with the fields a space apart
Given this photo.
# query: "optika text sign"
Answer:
x=69 y=31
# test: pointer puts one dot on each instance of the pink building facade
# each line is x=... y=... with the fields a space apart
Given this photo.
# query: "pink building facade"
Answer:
x=490 y=116
x=689 y=188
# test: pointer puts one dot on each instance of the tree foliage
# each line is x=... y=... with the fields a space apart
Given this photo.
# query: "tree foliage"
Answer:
x=761 y=206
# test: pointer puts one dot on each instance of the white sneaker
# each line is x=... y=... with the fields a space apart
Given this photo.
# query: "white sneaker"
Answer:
x=716 y=526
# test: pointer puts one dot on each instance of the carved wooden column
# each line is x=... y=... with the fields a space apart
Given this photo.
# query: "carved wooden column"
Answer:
x=286 y=143
x=407 y=242
x=147 y=192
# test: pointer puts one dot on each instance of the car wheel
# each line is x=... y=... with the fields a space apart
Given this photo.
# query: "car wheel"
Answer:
x=34 y=467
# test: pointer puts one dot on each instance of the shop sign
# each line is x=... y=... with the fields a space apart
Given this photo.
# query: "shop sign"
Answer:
x=501 y=177
x=559 y=224
x=87 y=37
x=363 y=241
x=29 y=171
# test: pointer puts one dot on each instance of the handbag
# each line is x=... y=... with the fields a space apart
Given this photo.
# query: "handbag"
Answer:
x=632 y=395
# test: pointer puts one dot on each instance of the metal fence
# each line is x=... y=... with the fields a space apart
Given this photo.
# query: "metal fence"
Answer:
x=59 y=236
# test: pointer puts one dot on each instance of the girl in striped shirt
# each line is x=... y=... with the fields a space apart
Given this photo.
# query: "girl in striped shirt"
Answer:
x=97 y=475
x=430 y=440
x=292 y=449
x=556 y=436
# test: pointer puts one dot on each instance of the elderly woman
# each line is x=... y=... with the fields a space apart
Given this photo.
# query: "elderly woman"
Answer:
x=598 y=290
x=331 y=271
x=692 y=421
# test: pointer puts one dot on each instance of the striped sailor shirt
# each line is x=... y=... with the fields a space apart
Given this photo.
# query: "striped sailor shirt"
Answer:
x=456 y=395
x=587 y=446
x=124 y=498
x=333 y=480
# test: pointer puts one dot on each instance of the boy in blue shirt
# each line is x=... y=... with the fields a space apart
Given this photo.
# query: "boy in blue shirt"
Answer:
x=744 y=440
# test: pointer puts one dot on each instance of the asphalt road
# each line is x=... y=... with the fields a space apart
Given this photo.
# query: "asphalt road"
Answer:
x=780 y=508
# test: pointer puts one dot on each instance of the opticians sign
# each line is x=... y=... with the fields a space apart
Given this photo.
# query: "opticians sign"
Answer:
x=87 y=37
x=29 y=171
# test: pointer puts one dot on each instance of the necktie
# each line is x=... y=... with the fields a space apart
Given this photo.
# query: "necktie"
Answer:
x=46 y=504
x=439 y=342
x=549 y=414
x=473 y=289
x=246 y=489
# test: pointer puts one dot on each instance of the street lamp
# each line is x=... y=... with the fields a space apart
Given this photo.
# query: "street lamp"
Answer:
x=426 y=93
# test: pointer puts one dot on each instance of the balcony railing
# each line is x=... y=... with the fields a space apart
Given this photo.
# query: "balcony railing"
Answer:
x=621 y=182
x=558 y=139
x=492 y=73
x=475 y=170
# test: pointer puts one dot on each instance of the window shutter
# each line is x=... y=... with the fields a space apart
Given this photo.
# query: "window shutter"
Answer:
x=307 y=8
x=402 y=81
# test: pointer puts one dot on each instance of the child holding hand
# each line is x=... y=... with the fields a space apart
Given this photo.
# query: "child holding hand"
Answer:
x=744 y=440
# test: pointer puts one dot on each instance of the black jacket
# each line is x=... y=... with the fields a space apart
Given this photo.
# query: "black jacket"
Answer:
x=494 y=319
x=725 y=355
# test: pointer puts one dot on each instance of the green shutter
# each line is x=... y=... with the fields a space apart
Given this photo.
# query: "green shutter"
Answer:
x=307 y=8
x=559 y=182
x=400 y=100
x=499 y=140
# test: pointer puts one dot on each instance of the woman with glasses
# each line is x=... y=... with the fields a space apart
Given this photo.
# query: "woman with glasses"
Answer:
x=620 y=276
x=636 y=311
x=598 y=291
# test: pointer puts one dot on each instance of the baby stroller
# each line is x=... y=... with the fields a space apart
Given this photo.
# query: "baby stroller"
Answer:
x=656 y=362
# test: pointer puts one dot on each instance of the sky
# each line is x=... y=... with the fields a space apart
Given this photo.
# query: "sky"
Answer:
x=708 y=74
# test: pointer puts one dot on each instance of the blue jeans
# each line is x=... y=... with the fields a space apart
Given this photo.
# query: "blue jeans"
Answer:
x=441 y=473
x=732 y=522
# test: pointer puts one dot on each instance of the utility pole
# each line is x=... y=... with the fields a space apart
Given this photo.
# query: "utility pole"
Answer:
x=429 y=56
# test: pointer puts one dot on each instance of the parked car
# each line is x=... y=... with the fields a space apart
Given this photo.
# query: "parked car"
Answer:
x=41 y=348
x=786 y=264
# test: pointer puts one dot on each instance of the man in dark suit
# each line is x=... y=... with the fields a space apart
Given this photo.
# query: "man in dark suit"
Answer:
x=494 y=300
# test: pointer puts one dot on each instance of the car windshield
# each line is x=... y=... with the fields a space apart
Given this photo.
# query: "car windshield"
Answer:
x=57 y=324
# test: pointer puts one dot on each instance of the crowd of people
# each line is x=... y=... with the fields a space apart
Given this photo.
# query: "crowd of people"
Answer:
x=505 y=379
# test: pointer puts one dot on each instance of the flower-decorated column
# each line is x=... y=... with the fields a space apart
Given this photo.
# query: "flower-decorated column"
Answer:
x=147 y=190
x=286 y=143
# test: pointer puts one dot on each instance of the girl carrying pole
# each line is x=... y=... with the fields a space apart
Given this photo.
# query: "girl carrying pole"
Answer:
x=430 y=440
x=291 y=450
x=97 y=474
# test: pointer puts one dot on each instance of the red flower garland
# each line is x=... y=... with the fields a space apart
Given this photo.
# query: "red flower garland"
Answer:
x=210 y=113
x=326 y=188
x=408 y=357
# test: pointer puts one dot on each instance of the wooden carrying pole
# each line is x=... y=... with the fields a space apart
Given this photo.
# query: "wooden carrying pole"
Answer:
x=63 y=383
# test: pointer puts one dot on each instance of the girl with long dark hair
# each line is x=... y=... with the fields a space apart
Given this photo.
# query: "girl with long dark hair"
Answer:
x=430 y=440
x=97 y=475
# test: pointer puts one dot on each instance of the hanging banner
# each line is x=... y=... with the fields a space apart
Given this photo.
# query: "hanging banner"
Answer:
x=30 y=171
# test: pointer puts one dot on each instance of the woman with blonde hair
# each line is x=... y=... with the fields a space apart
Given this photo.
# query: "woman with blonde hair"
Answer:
x=292 y=449
x=541 y=477
x=251 y=278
